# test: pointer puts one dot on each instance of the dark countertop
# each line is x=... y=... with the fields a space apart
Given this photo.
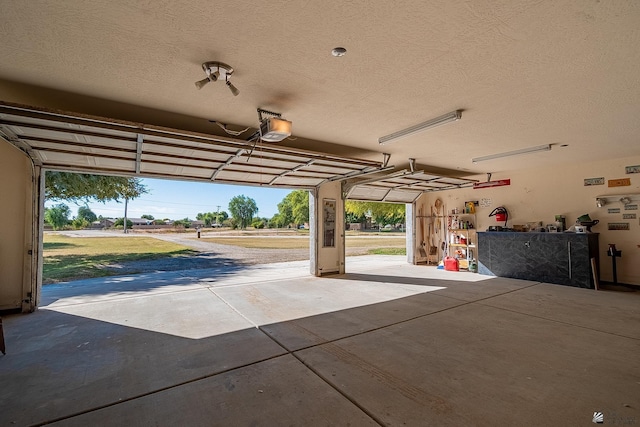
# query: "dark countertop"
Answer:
x=564 y=233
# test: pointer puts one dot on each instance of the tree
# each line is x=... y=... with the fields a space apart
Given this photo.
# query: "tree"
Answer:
x=80 y=187
x=243 y=209
x=77 y=187
x=79 y=223
x=355 y=218
x=277 y=221
x=149 y=217
x=86 y=214
x=185 y=222
x=57 y=216
x=258 y=223
x=120 y=223
x=293 y=209
x=382 y=213
x=212 y=217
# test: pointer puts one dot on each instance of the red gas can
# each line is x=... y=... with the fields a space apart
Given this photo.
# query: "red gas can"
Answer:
x=451 y=264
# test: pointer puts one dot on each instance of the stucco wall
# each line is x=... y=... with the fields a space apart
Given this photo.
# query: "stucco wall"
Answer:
x=15 y=214
x=538 y=195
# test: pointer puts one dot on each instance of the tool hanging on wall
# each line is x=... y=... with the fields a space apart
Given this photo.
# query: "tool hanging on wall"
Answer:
x=433 y=249
x=501 y=214
x=423 y=253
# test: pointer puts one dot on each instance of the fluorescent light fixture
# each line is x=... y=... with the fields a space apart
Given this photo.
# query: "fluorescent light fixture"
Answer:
x=546 y=147
x=275 y=129
x=447 y=118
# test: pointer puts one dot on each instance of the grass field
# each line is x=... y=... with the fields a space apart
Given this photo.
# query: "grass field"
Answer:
x=303 y=243
x=70 y=258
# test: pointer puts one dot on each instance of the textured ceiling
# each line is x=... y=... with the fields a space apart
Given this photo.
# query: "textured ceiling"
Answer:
x=525 y=73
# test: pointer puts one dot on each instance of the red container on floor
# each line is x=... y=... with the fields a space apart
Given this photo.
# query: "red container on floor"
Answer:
x=451 y=264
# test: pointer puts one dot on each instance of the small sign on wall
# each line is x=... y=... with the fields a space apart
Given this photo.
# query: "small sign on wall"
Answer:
x=489 y=184
x=594 y=181
x=329 y=223
x=613 y=210
x=622 y=182
x=618 y=226
x=633 y=169
x=485 y=202
x=630 y=207
x=628 y=216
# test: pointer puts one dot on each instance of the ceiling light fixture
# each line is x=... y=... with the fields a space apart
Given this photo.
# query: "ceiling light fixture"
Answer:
x=444 y=119
x=274 y=128
x=545 y=147
x=214 y=71
x=339 y=51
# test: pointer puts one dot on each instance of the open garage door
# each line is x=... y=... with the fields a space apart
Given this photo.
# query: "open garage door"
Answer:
x=67 y=141
x=56 y=140
x=403 y=186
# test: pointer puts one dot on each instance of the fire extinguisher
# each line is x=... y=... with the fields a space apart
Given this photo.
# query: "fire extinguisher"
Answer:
x=501 y=214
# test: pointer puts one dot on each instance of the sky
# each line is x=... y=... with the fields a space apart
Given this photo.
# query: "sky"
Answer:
x=182 y=199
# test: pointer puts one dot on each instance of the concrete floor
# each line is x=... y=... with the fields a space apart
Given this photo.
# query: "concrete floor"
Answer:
x=386 y=344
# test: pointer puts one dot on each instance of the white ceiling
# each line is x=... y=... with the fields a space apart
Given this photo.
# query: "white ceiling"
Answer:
x=525 y=72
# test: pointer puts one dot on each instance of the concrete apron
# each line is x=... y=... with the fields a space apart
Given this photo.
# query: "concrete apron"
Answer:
x=386 y=344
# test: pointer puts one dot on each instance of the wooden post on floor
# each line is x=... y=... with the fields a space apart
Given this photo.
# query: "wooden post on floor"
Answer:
x=2 y=348
x=596 y=279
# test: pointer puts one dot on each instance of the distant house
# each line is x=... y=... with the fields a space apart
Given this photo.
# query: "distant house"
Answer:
x=140 y=221
x=103 y=223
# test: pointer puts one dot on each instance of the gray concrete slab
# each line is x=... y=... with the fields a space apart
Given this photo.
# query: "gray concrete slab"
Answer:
x=477 y=365
x=313 y=330
x=389 y=342
x=58 y=363
x=608 y=311
x=276 y=392
x=192 y=314
x=484 y=287
x=108 y=288
x=282 y=300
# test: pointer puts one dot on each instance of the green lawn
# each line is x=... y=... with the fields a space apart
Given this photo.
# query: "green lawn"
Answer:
x=71 y=258
x=387 y=251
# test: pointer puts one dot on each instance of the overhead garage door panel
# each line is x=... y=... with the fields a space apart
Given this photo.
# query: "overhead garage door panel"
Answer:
x=185 y=160
x=368 y=193
x=80 y=149
x=400 y=196
x=68 y=141
x=176 y=171
x=84 y=162
x=199 y=151
x=298 y=181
